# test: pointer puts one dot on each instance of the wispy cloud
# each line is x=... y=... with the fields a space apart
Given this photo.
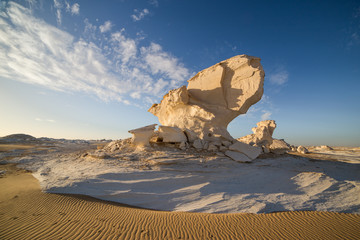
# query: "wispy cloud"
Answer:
x=353 y=30
x=138 y=15
x=154 y=2
x=266 y=115
x=279 y=76
x=106 y=26
x=116 y=69
x=45 y=120
x=58 y=6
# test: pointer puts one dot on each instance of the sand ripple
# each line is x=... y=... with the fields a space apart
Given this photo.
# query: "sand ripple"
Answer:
x=27 y=213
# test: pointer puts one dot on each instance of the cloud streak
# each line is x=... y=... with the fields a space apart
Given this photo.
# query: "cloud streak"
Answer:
x=279 y=77
x=138 y=15
x=118 y=69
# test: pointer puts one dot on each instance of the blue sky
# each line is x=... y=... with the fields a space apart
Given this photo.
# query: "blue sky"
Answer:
x=91 y=69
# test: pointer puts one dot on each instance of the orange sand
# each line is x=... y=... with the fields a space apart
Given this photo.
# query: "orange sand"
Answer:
x=27 y=213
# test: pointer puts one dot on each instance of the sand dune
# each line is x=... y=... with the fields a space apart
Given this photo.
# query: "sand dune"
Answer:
x=27 y=213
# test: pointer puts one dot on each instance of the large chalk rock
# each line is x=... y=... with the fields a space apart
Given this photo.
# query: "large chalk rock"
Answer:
x=279 y=146
x=141 y=136
x=250 y=151
x=171 y=134
x=213 y=97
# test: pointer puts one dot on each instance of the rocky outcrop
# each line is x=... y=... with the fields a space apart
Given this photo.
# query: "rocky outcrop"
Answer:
x=141 y=136
x=250 y=151
x=213 y=97
x=262 y=137
x=262 y=134
x=279 y=146
x=171 y=134
x=302 y=149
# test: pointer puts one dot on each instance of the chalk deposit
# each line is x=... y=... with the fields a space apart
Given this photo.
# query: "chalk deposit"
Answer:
x=213 y=97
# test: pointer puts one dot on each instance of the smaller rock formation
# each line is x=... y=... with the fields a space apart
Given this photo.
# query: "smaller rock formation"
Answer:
x=141 y=136
x=262 y=134
x=324 y=147
x=250 y=151
x=279 y=146
x=262 y=137
x=237 y=156
x=171 y=134
x=302 y=149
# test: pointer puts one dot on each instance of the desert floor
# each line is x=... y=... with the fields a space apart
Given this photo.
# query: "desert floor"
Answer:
x=28 y=213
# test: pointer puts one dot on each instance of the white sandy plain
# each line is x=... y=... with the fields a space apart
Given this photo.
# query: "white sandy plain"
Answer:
x=170 y=179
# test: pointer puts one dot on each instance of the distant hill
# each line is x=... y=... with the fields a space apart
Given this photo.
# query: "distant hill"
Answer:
x=14 y=138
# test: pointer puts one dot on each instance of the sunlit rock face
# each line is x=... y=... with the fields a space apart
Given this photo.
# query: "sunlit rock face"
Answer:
x=262 y=135
x=213 y=97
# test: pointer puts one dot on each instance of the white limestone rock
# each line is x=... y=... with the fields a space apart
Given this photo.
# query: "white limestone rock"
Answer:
x=226 y=143
x=324 y=147
x=213 y=98
x=205 y=144
x=191 y=136
x=250 y=151
x=302 y=149
x=198 y=144
x=141 y=136
x=212 y=147
x=171 y=134
x=262 y=134
x=266 y=150
x=223 y=148
x=237 y=156
x=279 y=146
x=183 y=146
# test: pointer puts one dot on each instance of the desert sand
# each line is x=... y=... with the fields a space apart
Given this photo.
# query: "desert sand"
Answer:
x=28 y=213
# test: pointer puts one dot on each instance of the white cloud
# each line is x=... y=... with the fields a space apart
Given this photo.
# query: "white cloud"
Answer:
x=75 y=9
x=154 y=3
x=138 y=15
x=106 y=27
x=58 y=16
x=161 y=62
x=135 y=95
x=58 y=6
x=31 y=3
x=45 y=120
x=266 y=115
x=125 y=48
x=35 y=52
x=279 y=76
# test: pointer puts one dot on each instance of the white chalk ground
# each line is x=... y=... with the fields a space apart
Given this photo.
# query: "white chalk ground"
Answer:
x=173 y=180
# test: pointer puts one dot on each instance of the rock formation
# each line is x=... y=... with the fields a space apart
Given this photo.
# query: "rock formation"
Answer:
x=262 y=134
x=141 y=136
x=302 y=149
x=213 y=98
x=262 y=137
x=171 y=134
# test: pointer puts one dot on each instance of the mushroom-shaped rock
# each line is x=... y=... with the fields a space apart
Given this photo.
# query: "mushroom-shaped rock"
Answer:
x=213 y=97
x=141 y=136
x=171 y=134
